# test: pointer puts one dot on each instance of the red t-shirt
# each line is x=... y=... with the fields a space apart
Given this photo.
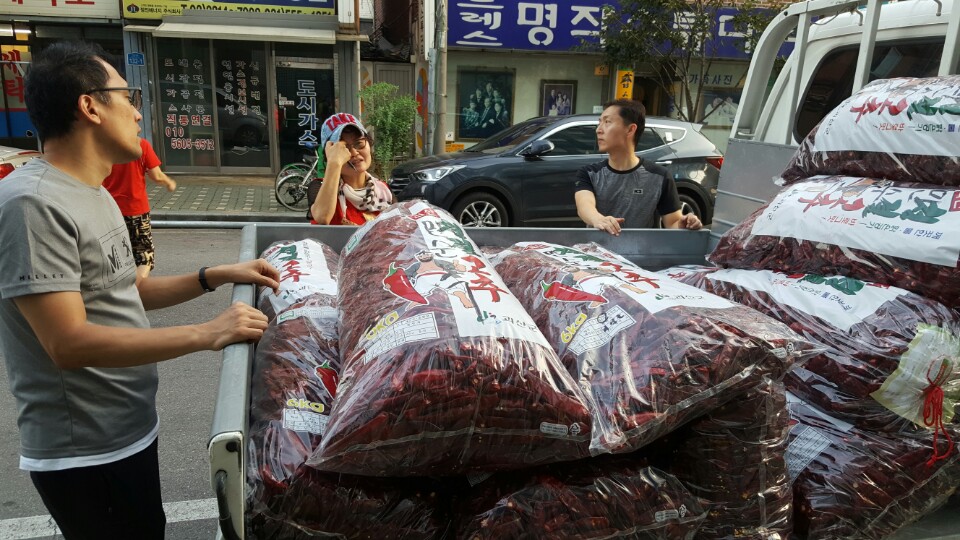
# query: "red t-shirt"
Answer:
x=128 y=185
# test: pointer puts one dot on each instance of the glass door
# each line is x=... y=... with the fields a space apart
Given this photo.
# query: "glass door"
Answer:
x=305 y=98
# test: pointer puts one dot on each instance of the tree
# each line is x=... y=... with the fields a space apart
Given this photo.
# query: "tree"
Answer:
x=677 y=42
x=391 y=118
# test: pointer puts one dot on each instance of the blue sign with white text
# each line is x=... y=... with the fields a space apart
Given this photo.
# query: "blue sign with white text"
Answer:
x=135 y=59
x=559 y=27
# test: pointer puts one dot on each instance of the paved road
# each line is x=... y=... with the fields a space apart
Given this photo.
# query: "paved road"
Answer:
x=188 y=389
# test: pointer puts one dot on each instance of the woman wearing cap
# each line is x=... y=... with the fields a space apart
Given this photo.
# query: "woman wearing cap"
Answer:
x=348 y=194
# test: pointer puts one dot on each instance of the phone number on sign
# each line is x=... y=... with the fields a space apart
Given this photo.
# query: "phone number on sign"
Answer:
x=192 y=144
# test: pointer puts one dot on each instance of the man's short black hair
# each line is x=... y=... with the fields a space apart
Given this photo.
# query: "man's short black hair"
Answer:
x=632 y=112
x=57 y=77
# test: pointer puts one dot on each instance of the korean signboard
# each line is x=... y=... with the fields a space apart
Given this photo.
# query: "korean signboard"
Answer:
x=155 y=9
x=92 y=9
x=558 y=27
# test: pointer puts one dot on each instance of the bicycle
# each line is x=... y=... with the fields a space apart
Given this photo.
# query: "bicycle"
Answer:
x=294 y=179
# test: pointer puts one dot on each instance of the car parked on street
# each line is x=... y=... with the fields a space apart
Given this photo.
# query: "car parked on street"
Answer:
x=11 y=158
x=524 y=175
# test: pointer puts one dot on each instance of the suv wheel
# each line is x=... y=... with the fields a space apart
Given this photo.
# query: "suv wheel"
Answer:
x=480 y=210
x=689 y=205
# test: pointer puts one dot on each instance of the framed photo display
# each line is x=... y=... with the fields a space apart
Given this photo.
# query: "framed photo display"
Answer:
x=484 y=101
x=558 y=98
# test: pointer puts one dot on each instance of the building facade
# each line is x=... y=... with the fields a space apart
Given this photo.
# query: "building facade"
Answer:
x=510 y=61
x=241 y=88
x=26 y=26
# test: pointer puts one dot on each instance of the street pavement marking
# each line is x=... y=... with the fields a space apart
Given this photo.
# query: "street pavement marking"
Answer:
x=44 y=526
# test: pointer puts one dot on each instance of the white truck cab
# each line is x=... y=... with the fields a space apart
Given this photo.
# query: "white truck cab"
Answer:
x=841 y=46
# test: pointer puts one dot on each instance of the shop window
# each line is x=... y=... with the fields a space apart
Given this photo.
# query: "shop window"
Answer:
x=832 y=82
x=186 y=104
x=242 y=103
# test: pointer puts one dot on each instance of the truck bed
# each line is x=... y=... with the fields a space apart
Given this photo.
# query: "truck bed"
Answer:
x=652 y=249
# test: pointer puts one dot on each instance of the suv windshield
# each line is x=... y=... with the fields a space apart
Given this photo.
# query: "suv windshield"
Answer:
x=512 y=136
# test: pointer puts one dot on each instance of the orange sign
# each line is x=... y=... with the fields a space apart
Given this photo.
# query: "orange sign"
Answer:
x=624 y=84
x=601 y=70
x=453 y=147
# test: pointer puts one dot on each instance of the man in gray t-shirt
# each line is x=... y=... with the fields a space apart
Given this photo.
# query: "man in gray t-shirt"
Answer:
x=79 y=351
x=623 y=191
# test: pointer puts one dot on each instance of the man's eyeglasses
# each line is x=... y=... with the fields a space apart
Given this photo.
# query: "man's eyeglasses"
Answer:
x=135 y=97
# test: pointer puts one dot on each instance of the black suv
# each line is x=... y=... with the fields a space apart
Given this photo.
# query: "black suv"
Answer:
x=524 y=176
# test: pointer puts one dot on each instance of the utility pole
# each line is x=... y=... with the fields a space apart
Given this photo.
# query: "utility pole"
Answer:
x=435 y=33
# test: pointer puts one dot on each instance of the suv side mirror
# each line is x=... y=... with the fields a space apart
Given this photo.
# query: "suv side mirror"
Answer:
x=537 y=148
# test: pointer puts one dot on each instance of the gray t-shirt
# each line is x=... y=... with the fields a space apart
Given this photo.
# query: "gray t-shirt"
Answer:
x=639 y=195
x=58 y=234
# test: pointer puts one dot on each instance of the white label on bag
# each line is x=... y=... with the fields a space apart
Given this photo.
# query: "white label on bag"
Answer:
x=590 y=277
x=313 y=312
x=871 y=215
x=902 y=116
x=806 y=445
x=597 y=331
x=841 y=301
x=303 y=271
x=404 y=330
x=311 y=422
x=453 y=269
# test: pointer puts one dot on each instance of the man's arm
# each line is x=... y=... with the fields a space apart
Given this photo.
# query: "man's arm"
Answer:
x=59 y=320
x=670 y=207
x=587 y=210
x=677 y=220
x=165 y=291
x=161 y=178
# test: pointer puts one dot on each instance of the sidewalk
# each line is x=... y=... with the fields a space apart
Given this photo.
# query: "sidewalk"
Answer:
x=219 y=198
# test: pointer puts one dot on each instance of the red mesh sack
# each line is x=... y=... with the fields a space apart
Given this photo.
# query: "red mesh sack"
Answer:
x=444 y=373
x=854 y=483
x=652 y=353
x=898 y=234
x=898 y=129
x=592 y=499
x=306 y=267
x=890 y=360
x=733 y=460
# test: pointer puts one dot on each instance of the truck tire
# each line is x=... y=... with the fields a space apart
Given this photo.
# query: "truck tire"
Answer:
x=480 y=210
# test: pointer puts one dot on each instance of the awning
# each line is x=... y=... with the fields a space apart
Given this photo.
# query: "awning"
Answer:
x=245 y=33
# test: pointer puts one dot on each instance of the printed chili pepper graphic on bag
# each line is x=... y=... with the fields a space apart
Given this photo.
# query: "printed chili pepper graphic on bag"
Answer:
x=565 y=293
x=399 y=284
x=329 y=377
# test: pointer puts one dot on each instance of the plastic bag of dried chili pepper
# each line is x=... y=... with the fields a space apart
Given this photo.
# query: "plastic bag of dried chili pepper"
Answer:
x=591 y=499
x=444 y=373
x=890 y=129
x=889 y=353
x=733 y=459
x=329 y=505
x=293 y=383
x=854 y=483
x=652 y=353
x=898 y=234
x=306 y=267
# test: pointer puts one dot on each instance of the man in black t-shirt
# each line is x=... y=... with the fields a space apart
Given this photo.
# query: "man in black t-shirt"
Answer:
x=623 y=191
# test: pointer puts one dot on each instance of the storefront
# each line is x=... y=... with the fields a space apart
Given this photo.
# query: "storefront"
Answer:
x=510 y=61
x=541 y=69
x=240 y=90
x=26 y=26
